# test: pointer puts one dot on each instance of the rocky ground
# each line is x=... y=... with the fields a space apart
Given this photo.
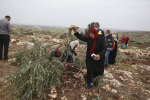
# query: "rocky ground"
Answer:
x=127 y=80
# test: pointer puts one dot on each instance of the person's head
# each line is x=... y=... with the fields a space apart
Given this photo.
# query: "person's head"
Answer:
x=74 y=44
x=123 y=35
x=96 y=25
x=8 y=18
x=107 y=32
x=93 y=33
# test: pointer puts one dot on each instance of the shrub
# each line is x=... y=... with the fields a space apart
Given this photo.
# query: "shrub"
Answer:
x=63 y=35
x=14 y=63
x=35 y=74
x=46 y=37
x=120 y=57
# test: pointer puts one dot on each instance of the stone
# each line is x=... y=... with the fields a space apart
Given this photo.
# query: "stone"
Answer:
x=108 y=87
x=53 y=90
x=114 y=91
x=53 y=96
x=10 y=60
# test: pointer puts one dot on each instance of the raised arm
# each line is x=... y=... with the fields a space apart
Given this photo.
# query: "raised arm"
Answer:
x=83 y=38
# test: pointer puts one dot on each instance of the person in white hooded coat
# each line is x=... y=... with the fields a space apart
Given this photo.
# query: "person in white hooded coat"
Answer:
x=73 y=44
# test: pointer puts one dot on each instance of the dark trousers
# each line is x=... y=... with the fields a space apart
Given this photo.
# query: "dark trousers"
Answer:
x=4 y=41
x=90 y=71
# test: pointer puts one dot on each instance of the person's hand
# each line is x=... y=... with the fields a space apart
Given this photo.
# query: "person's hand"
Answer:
x=75 y=29
x=97 y=56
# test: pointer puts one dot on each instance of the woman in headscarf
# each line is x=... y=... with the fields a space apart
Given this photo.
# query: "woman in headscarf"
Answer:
x=73 y=44
x=113 y=53
x=95 y=55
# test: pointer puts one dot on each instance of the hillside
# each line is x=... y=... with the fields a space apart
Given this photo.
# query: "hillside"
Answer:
x=127 y=79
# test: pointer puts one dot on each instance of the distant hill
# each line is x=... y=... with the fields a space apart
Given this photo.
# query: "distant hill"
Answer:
x=42 y=27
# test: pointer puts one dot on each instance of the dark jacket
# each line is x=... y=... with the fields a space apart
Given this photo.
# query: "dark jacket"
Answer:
x=101 y=32
x=109 y=42
x=97 y=66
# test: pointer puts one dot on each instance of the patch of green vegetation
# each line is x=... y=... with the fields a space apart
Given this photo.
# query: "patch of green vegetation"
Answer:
x=13 y=63
x=36 y=73
x=120 y=57
x=33 y=41
x=63 y=35
x=46 y=37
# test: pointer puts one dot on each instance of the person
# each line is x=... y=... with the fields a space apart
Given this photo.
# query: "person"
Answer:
x=5 y=28
x=122 y=42
x=113 y=53
x=100 y=32
x=109 y=42
x=95 y=46
x=117 y=36
x=81 y=33
x=73 y=44
x=127 y=40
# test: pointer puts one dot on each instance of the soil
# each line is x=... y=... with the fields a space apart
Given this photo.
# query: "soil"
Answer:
x=72 y=87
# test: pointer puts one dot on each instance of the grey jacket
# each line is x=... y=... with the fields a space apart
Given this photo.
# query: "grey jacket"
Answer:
x=5 y=26
x=109 y=42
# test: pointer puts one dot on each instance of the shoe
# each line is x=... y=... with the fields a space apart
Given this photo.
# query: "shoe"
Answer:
x=106 y=65
x=89 y=86
x=6 y=58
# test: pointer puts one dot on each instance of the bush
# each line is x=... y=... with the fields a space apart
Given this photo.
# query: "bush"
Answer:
x=14 y=63
x=63 y=35
x=33 y=40
x=46 y=37
x=91 y=25
x=35 y=74
x=120 y=57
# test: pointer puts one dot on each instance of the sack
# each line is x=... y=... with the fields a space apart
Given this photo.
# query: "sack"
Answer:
x=113 y=46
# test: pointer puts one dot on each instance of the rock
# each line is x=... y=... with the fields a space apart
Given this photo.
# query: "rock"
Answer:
x=140 y=83
x=148 y=48
x=107 y=87
x=90 y=94
x=53 y=90
x=53 y=95
x=141 y=71
x=122 y=97
x=32 y=37
x=115 y=82
x=13 y=41
x=30 y=45
x=10 y=60
x=14 y=59
x=83 y=96
x=108 y=75
x=75 y=84
x=63 y=91
x=114 y=91
x=148 y=81
x=64 y=98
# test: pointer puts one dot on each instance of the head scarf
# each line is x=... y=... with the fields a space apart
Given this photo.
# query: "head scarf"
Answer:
x=94 y=31
x=74 y=43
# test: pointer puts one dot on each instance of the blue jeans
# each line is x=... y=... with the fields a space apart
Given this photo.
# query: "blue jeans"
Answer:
x=106 y=57
x=122 y=44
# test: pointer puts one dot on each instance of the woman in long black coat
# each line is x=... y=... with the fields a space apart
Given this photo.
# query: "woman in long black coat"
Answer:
x=95 y=44
x=113 y=53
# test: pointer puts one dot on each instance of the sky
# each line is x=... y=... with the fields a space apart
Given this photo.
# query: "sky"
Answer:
x=116 y=14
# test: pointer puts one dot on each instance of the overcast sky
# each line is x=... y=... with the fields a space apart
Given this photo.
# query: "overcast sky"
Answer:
x=118 y=14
